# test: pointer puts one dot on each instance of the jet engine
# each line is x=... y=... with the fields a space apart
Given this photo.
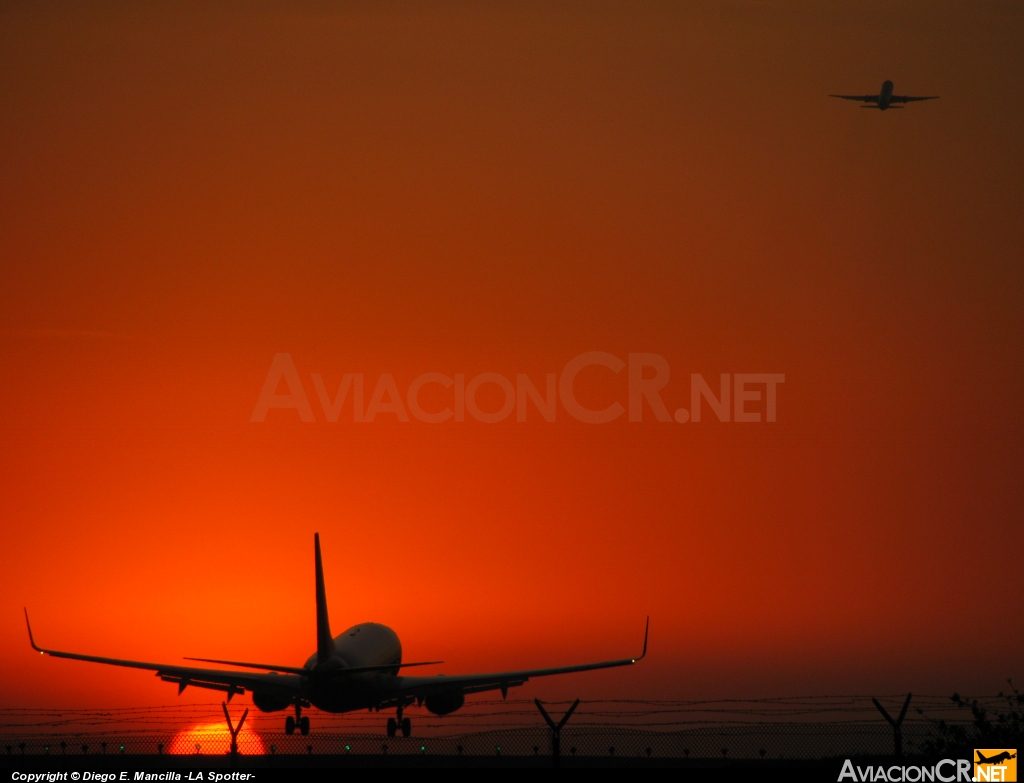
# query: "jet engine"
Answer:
x=443 y=703
x=269 y=702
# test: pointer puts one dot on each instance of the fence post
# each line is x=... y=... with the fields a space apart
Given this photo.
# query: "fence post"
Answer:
x=556 y=730
x=234 y=731
x=897 y=725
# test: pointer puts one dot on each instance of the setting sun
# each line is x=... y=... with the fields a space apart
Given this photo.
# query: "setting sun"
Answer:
x=214 y=739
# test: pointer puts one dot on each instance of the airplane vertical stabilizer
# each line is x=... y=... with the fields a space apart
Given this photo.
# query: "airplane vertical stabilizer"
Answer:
x=324 y=640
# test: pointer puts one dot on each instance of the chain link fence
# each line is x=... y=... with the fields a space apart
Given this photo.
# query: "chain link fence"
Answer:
x=789 y=728
x=752 y=741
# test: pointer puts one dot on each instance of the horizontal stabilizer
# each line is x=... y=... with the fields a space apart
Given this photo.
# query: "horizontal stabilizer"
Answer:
x=270 y=667
x=305 y=672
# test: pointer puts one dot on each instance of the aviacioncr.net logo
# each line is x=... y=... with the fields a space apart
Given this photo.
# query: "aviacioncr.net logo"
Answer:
x=998 y=764
x=945 y=771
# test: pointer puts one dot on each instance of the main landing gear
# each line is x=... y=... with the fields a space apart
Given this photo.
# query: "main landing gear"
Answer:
x=394 y=724
x=299 y=721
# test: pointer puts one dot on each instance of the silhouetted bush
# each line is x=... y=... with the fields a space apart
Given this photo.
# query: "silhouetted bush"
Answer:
x=989 y=727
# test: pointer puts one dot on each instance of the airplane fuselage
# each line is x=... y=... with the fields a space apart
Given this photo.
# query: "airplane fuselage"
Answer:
x=366 y=644
x=885 y=96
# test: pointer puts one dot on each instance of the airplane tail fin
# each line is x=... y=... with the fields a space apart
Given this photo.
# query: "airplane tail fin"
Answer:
x=324 y=640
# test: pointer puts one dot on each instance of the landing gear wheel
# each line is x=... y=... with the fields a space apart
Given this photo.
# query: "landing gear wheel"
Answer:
x=289 y=725
x=392 y=727
x=304 y=725
x=406 y=727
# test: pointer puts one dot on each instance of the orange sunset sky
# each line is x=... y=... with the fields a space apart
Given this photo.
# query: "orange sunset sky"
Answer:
x=464 y=188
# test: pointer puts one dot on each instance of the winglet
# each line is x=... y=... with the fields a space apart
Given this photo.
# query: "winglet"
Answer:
x=647 y=629
x=30 y=639
x=324 y=640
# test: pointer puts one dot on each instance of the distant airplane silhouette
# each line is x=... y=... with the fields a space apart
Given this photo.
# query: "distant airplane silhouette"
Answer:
x=357 y=670
x=1004 y=756
x=885 y=99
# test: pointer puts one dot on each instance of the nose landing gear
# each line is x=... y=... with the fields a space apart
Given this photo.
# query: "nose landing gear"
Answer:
x=394 y=724
x=300 y=722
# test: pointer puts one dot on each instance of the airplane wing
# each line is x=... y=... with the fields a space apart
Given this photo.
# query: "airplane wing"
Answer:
x=231 y=682
x=421 y=687
x=908 y=98
x=861 y=98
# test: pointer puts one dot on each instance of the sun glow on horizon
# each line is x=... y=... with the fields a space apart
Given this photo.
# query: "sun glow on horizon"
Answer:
x=211 y=739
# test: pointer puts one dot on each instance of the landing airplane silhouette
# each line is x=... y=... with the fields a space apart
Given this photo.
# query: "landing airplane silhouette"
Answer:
x=356 y=670
x=885 y=99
